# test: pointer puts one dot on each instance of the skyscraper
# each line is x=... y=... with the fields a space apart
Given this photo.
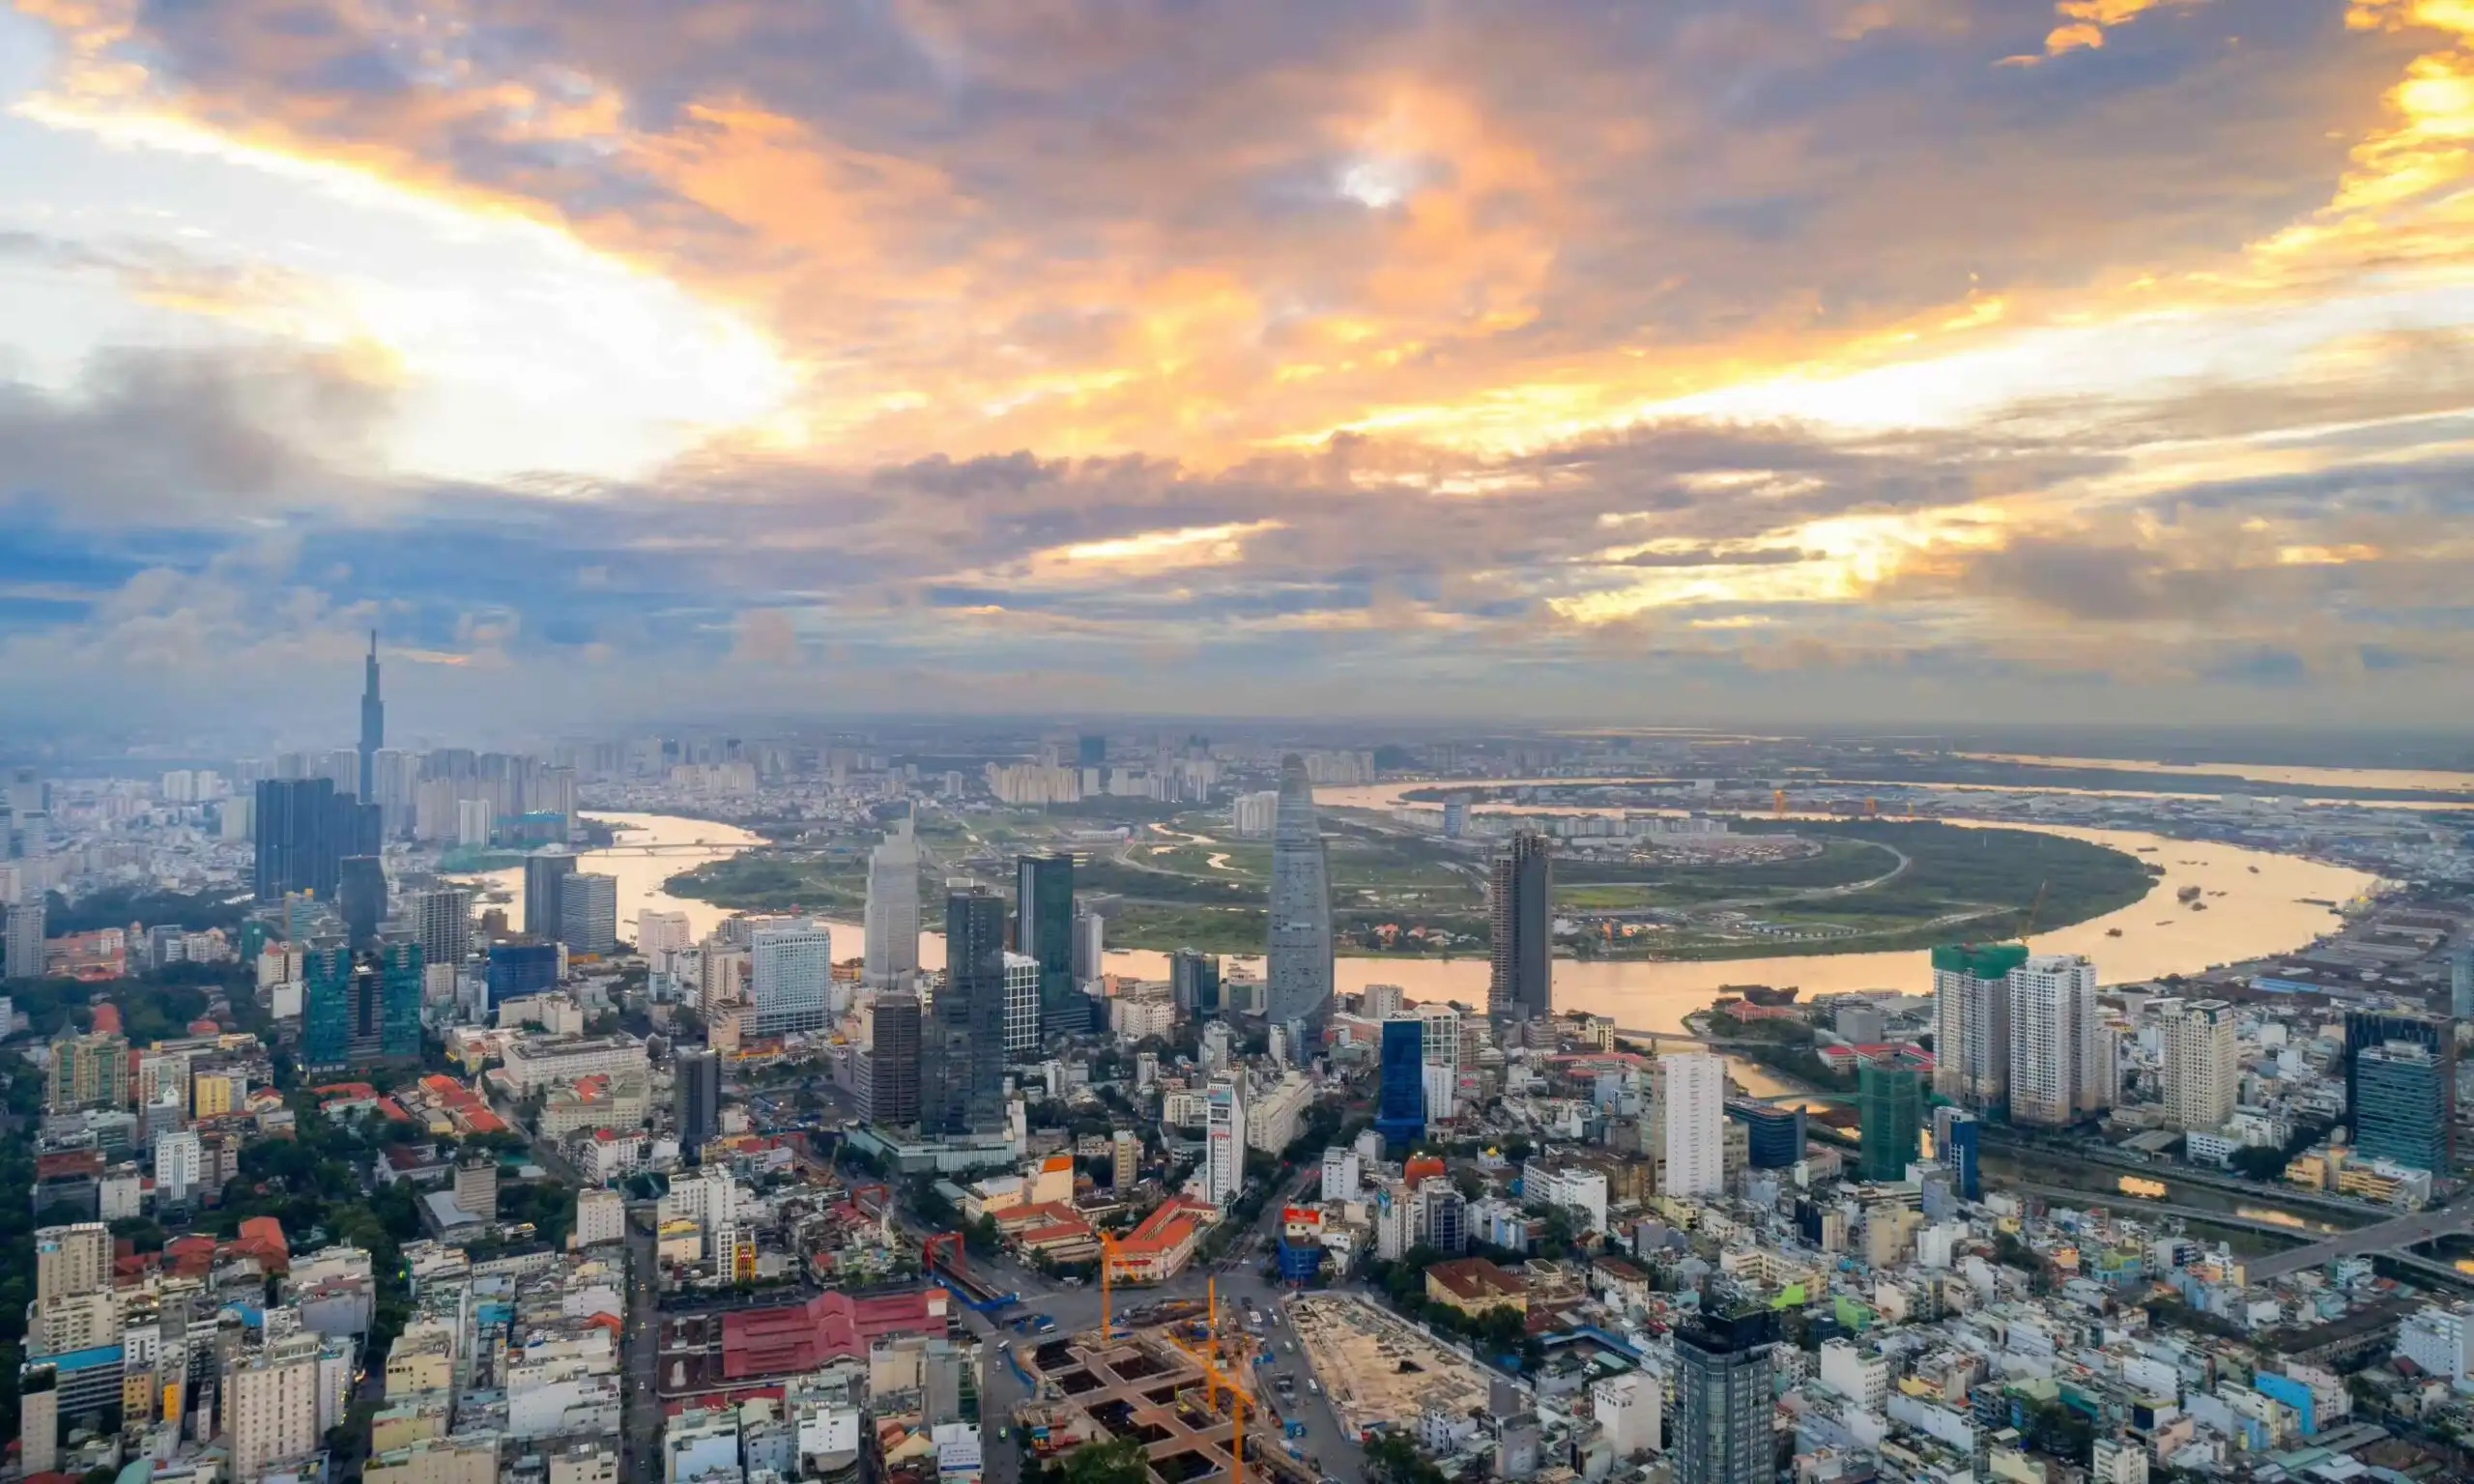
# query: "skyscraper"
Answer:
x=1889 y=1105
x=2460 y=982
x=966 y=1047
x=443 y=924
x=1724 y=1399
x=23 y=947
x=1521 y=987
x=373 y=724
x=893 y=1060
x=791 y=980
x=2052 y=1039
x=2399 y=1112
x=326 y=1005
x=1401 y=1099
x=544 y=871
x=1298 y=967
x=1692 y=1095
x=398 y=966
x=303 y=831
x=1023 y=977
x=1971 y=1021
x=2366 y=1029
x=360 y=896
x=589 y=913
x=1044 y=931
x=2200 y=1079
x=890 y=920
x=1223 y=1164
x=1194 y=983
x=696 y=1096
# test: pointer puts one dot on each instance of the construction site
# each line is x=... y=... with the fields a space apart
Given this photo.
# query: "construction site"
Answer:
x=1380 y=1370
x=1176 y=1377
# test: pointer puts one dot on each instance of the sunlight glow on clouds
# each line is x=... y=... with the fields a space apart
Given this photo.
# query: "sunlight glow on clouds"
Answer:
x=1255 y=345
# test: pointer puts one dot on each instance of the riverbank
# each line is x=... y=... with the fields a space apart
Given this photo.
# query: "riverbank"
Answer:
x=2261 y=913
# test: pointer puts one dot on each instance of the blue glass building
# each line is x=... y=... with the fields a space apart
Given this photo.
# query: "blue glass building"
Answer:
x=1955 y=1144
x=1774 y=1136
x=518 y=969
x=1400 y=1104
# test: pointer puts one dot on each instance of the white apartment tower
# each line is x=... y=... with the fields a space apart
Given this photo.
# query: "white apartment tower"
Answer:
x=891 y=918
x=1224 y=1165
x=275 y=1406
x=2200 y=1079
x=1692 y=1091
x=661 y=934
x=73 y=1260
x=1971 y=1023
x=2052 y=1039
x=179 y=1162
x=791 y=983
x=1440 y=1036
x=1022 y=1003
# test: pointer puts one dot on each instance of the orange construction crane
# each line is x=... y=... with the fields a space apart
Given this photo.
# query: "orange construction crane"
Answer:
x=2034 y=909
x=1219 y=1379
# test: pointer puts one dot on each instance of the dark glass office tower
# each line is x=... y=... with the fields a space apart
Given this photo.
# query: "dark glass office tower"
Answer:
x=1521 y=987
x=545 y=873
x=399 y=1000
x=963 y=1089
x=1044 y=929
x=303 y=830
x=1194 y=983
x=1400 y=1100
x=893 y=1060
x=1723 y=1400
x=517 y=969
x=2370 y=1029
x=360 y=898
x=696 y=1090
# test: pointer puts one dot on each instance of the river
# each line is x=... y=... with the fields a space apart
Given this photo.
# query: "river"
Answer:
x=2259 y=914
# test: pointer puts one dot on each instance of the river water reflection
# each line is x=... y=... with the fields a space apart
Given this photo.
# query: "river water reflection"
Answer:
x=2262 y=911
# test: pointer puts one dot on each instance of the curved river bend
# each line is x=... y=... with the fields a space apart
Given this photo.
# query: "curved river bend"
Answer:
x=2262 y=912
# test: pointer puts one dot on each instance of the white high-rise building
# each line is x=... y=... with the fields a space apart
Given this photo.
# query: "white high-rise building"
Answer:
x=601 y=1217
x=2201 y=1080
x=1693 y=1090
x=2052 y=1039
x=73 y=1260
x=274 y=1405
x=790 y=979
x=1971 y=1023
x=1440 y=1035
x=1344 y=1173
x=1381 y=1002
x=891 y=918
x=1090 y=947
x=1022 y=1003
x=1255 y=815
x=475 y=819
x=179 y=1162
x=660 y=935
x=1223 y=1164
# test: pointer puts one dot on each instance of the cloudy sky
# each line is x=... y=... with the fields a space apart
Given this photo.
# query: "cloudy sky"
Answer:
x=1832 y=360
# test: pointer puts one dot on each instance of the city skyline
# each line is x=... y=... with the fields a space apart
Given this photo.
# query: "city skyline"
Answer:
x=837 y=357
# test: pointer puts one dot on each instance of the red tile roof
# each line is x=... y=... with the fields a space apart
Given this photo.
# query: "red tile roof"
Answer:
x=795 y=1338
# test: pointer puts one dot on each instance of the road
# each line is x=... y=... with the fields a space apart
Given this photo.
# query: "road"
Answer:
x=2404 y=1232
x=641 y=1414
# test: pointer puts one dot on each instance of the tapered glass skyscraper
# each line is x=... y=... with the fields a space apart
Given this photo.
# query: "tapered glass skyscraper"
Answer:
x=1521 y=985
x=962 y=1088
x=1298 y=967
x=373 y=725
x=1044 y=931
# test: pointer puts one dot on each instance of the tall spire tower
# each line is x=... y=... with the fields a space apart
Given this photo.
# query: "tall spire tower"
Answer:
x=373 y=724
